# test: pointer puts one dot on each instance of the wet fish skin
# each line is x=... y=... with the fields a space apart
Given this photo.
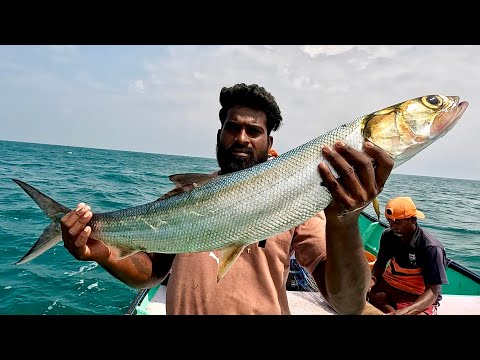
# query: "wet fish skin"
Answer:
x=231 y=211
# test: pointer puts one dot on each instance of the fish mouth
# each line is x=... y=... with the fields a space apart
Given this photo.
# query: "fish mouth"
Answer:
x=447 y=120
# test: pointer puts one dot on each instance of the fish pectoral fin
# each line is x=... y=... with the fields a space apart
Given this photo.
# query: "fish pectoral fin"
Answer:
x=124 y=252
x=187 y=182
x=177 y=190
x=191 y=178
x=227 y=257
x=376 y=207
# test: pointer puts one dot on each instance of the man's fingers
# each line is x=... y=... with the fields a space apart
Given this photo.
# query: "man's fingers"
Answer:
x=72 y=217
x=83 y=219
x=361 y=175
x=83 y=237
x=347 y=189
x=331 y=183
x=360 y=181
x=383 y=163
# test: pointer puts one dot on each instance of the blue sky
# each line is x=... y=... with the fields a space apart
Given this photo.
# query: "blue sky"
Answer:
x=164 y=99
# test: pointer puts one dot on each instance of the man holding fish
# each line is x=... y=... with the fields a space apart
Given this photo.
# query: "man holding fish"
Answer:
x=256 y=284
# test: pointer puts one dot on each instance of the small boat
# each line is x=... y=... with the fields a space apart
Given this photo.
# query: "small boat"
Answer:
x=461 y=296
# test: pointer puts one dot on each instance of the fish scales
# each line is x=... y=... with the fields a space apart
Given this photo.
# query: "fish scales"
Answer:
x=201 y=220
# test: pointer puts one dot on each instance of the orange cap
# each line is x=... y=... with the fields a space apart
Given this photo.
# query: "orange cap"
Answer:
x=402 y=208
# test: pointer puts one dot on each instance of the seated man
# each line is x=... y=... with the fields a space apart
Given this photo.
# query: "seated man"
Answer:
x=412 y=281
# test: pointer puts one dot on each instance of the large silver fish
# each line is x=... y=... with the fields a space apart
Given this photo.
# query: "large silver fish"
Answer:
x=231 y=211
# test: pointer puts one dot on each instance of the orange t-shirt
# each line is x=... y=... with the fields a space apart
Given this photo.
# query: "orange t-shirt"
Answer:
x=256 y=282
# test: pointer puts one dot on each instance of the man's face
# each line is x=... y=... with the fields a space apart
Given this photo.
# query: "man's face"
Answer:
x=403 y=228
x=243 y=140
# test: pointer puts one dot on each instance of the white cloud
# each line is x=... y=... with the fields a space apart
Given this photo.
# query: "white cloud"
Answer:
x=328 y=50
x=138 y=86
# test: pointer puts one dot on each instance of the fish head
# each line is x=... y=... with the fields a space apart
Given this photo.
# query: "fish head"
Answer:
x=405 y=129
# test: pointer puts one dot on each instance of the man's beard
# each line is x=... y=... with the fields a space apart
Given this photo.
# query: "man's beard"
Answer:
x=229 y=162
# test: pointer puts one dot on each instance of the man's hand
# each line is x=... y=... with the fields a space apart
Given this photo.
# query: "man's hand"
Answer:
x=403 y=311
x=75 y=233
x=361 y=177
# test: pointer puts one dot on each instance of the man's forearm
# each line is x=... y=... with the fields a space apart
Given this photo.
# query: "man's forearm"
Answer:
x=138 y=271
x=347 y=274
x=426 y=299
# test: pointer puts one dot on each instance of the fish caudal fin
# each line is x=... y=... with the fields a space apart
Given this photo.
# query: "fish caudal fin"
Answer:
x=227 y=257
x=50 y=237
x=52 y=234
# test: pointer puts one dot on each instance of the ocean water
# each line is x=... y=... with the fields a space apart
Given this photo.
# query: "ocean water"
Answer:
x=55 y=283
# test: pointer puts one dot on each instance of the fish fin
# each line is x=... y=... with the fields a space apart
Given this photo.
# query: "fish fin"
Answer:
x=190 y=178
x=50 y=207
x=228 y=256
x=52 y=234
x=187 y=182
x=376 y=207
x=177 y=190
x=50 y=237
x=124 y=251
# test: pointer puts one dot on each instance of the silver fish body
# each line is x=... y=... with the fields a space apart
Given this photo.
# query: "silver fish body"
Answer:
x=238 y=208
x=231 y=211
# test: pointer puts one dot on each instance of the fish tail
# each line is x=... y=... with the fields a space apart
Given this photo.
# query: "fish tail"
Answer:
x=52 y=234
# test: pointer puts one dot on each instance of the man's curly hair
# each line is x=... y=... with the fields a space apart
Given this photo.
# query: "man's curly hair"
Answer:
x=252 y=96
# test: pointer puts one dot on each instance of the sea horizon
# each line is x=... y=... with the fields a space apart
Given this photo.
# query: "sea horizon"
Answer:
x=395 y=171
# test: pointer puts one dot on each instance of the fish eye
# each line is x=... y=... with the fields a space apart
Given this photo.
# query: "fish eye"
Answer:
x=432 y=101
